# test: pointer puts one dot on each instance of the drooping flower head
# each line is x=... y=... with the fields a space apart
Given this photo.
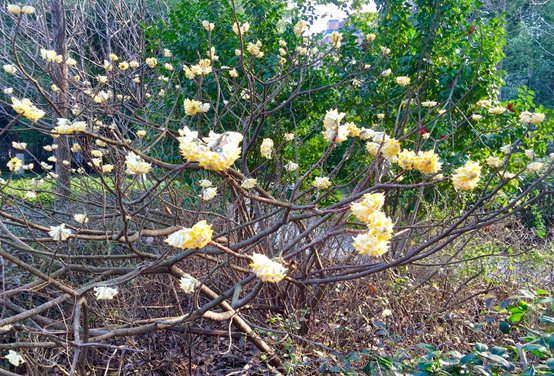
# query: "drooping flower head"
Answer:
x=371 y=203
x=266 y=269
x=467 y=176
x=188 y=238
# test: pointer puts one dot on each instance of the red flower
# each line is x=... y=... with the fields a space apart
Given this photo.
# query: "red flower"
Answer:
x=510 y=107
x=451 y=86
x=472 y=30
x=443 y=136
x=424 y=130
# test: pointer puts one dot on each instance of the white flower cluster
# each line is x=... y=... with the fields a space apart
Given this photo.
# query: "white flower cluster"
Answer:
x=266 y=269
x=136 y=165
x=216 y=152
x=67 y=127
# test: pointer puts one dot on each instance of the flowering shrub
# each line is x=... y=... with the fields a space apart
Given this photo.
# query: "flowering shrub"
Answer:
x=313 y=159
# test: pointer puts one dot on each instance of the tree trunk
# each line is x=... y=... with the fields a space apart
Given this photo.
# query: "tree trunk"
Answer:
x=60 y=78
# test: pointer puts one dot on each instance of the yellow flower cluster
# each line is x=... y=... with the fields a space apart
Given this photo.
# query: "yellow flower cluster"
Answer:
x=10 y=68
x=27 y=109
x=322 y=182
x=370 y=204
x=336 y=37
x=291 y=166
x=16 y=9
x=151 y=62
x=497 y=110
x=204 y=67
x=243 y=29
x=425 y=162
x=14 y=164
x=467 y=176
x=403 y=80
x=254 y=49
x=484 y=103
x=192 y=107
x=493 y=162
x=136 y=165
x=66 y=127
x=267 y=148
x=367 y=244
x=529 y=117
x=102 y=96
x=51 y=56
x=248 y=183
x=187 y=238
x=208 y=193
x=267 y=270
x=389 y=147
x=208 y=25
x=216 y=152
x=535 y=166
x=333 y=128
x=429 y=104
x=188 y=284
x=300 y=27
x=380 y=227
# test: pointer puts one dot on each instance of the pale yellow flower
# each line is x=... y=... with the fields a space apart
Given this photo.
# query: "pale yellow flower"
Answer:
x=187 y=283
x=367 y=244
x=497 y=110
x=59 y=233
x=266 y=269
x=14 y=357
x=151 y=62
x=19 y=145
x=208 y=26
x=403 y=80
x=300 y=27
x=535 y=166
x=14 y=164
x=322 y=182
x=484 y=103
x=370 y=204
x=248 y=183
x=493 y=161
x=429 y=104
x=81 y=218
x=467 y=177
x=105 y=293
x=209 y=193
x=291 y=166
x=188 y=238
x=266 y=148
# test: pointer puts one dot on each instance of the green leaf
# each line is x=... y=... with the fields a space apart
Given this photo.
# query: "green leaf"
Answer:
x=516 y=316
x=468 y=358
x=504 y=327
x=499 y=360
x=479 y=347
x=536 y=347
x=547 y=319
